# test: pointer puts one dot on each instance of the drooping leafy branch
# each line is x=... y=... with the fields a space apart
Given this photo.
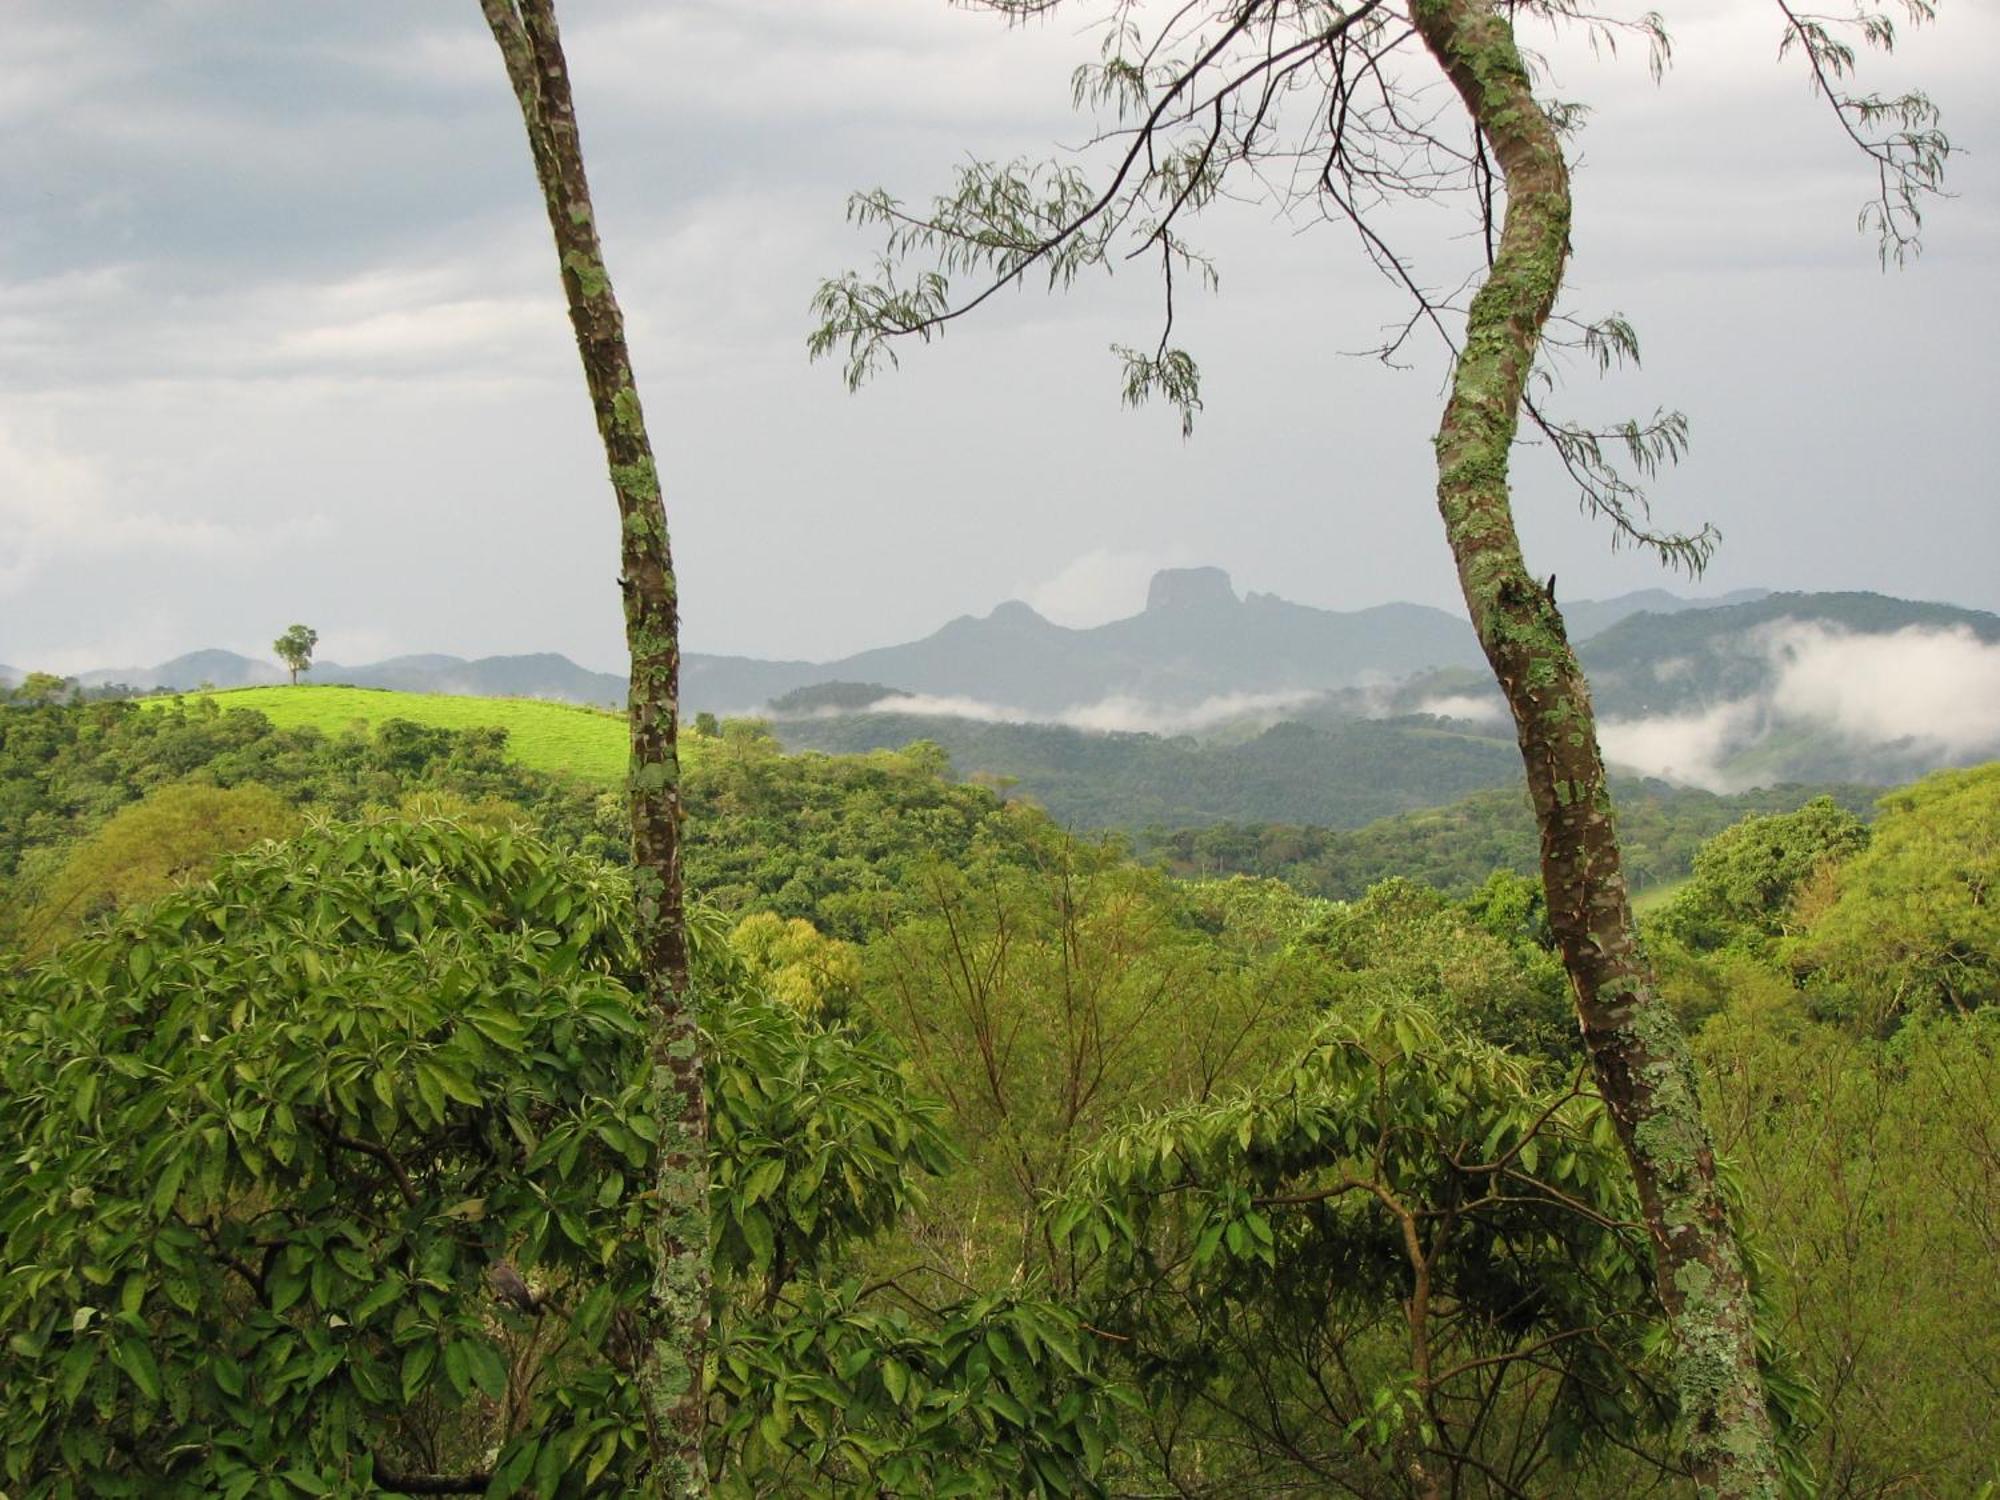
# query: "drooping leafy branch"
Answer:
x=1899 y=134
x=1431 y=1243
x=1313 y=109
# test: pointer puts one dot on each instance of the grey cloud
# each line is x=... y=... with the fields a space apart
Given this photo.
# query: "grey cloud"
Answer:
x=284 y=266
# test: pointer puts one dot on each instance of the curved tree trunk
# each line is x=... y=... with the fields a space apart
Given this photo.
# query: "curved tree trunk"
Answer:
x=1643 y=1067
x=677 y=1335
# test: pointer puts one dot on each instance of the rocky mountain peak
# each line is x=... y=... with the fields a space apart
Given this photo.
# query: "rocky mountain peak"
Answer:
x=1190 y=588
x=1016 y=612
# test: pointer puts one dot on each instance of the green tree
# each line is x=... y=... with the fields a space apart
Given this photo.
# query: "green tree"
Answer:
x=330 y=1176
x=1747 y=877
x=295 y=649
x=148 y=848
x=1871 y=1169
x=1203 y=102
x=1912 y=923
x=1048 y=989
x=1485 y=961
x=1405 y=1263
x=531 y=47
x=38 y=688
x=793 y=962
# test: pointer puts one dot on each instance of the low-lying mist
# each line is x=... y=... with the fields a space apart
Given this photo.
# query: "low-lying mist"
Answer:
x=1831 y=704
x=1117 y=714
x=1925 y=693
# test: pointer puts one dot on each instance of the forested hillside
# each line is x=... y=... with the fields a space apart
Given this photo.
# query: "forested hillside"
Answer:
x=1337 y=775
x=1455 y=848
x=66 y=771
x=965 y=1061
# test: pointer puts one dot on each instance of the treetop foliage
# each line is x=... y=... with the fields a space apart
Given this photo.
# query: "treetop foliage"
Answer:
x=931 y=1031
x=1747 y=877
x=331 y=1172
x=295 y=648
x=1456 y=1218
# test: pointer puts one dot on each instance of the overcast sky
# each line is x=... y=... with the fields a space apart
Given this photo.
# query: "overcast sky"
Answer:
x=280 y=339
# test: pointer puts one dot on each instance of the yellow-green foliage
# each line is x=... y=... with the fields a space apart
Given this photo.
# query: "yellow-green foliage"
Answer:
x=1057 y=990
x=586 y=742
x=489 y=814
x=1913 y=922
x=148 y=848
x=1870 y=1171
x=1747 y=879
x=791 y=960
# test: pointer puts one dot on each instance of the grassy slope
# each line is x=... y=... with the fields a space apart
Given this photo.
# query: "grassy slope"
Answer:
x=1652 y=899
x=587 y=742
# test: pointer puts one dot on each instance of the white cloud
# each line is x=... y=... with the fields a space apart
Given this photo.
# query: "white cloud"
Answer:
x=1687 y=747
x=1936 y=691
x=1103 y=584
x=1938 y=687
x=1120 y=714
x=1475 y=708
x=1117 y=714
x=468 y=327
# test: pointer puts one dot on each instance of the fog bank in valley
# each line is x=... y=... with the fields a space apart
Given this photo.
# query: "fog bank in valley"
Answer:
x=1933 y=694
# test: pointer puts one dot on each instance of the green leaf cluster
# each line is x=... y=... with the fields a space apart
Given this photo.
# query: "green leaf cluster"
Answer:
x=1400 y=1247
x=337 y=1168
x=1911 y=924
x=998 y=1394
x=272 y=1134
x=1746 y=879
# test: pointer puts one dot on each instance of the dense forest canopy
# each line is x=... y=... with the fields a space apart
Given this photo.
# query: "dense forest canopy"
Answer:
x=1028 y=1151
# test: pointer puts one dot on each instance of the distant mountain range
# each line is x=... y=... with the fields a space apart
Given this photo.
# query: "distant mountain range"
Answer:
x=1196 y=640
x=1775 y=688
x=1219 y=707
x=1208 y=704
x=1586 y=618
x=1652 y=665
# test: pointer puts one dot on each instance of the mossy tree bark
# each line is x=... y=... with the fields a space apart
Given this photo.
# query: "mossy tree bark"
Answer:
x=1640 y=1057
x=671 y=1365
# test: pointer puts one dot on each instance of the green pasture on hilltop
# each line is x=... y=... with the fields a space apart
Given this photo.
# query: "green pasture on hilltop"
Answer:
x=543 y=736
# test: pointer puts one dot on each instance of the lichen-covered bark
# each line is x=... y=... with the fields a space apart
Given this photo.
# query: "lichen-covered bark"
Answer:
x=1641 y=1060
x=677 y=1336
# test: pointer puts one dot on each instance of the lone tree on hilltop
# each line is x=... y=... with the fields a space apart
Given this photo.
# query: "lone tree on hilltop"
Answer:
x=41 y=687
x=678 y=1313
x=1340 y=110
x=295 y=649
